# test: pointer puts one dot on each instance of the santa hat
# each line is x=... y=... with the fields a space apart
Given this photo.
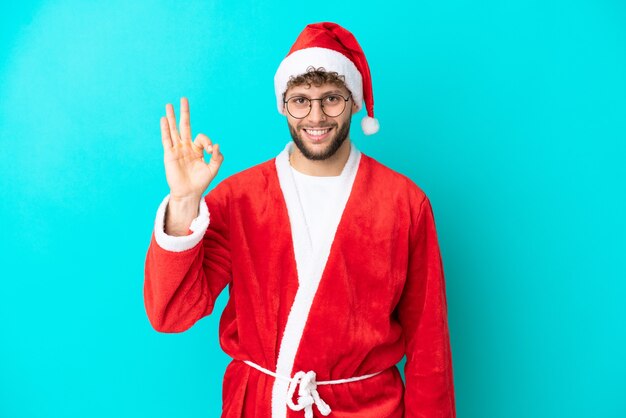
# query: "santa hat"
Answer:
x=332 y=47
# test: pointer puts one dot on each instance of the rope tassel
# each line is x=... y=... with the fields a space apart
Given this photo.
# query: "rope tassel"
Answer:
x=307 y=395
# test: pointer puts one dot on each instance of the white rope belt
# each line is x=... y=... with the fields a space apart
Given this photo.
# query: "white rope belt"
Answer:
x=307 y=392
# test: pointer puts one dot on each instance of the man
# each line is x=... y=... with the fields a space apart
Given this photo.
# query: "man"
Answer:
x=331 y=258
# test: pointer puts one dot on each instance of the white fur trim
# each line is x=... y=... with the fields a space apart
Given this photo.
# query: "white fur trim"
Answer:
x=177 y=244
x=310 y=266
x=369 y=125
x=297 y=62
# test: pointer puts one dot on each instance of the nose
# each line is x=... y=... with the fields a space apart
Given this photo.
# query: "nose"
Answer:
x=316 y=114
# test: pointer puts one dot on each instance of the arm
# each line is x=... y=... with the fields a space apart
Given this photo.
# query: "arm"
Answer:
x=184 y=275
x=422 y=312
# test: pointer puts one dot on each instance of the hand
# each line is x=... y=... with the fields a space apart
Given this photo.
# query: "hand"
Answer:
x=188 y=175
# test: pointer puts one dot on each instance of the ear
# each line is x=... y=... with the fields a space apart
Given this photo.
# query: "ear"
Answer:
x=354 y=108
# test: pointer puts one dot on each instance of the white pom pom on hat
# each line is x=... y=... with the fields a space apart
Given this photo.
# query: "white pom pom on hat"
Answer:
x=334 y=48
x=369 y=125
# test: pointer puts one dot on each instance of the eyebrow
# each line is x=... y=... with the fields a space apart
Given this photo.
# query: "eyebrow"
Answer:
x=307 y=96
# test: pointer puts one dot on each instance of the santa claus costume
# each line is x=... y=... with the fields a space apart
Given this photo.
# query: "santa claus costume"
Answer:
x=318 y=315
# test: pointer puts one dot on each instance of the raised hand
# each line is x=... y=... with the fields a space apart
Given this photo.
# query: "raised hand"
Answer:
x=188 y=175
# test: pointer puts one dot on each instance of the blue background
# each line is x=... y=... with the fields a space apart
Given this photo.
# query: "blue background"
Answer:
x=511 y=115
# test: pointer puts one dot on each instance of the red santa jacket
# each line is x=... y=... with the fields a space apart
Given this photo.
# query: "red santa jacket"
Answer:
x=373 y=292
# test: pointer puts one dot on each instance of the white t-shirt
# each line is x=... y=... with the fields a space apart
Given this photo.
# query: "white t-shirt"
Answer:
x=317 y=193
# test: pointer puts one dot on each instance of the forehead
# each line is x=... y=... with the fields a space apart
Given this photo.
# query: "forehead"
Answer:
x=314 y=91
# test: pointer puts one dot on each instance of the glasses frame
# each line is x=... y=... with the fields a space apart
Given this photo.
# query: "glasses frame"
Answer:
x=345 y=99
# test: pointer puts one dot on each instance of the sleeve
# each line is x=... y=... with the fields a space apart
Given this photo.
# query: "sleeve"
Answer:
x=184 y=275
x=422 y=312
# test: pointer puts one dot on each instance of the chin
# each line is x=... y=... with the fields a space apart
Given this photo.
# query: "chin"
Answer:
x=318 y=152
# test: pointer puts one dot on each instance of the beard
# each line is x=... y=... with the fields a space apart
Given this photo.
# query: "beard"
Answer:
x=335 y=142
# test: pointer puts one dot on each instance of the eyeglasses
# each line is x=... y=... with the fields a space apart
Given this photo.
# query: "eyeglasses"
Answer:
x=333 y=105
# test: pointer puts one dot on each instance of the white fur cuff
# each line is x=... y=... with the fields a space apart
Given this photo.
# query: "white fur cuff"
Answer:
x=177 y=244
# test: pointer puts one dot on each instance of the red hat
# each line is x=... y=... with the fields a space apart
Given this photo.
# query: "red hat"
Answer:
x=332 y=47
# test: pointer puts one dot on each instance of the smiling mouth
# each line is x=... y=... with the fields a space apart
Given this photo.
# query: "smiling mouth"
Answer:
x=317 y=134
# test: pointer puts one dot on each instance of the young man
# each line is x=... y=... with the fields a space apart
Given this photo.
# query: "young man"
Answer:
x=332 y=259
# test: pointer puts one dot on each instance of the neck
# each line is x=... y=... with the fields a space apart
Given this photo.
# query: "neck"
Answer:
x=329 y=167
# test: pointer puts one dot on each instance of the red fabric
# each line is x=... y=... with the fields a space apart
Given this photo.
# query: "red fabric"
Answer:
x=382 y=294
x=332 y=36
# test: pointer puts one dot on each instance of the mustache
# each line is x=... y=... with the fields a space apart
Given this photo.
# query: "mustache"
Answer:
x=317 y=126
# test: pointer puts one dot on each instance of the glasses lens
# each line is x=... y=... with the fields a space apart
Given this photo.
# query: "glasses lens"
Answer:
x=298 y=107
x=333 y=105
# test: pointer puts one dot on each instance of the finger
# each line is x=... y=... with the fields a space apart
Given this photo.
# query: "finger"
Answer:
x=171 y=118
x=203 y=142
x=185 y=122
x=166 y=139
x=216 y=158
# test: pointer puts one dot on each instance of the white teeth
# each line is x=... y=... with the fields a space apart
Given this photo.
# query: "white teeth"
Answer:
x=317 y=132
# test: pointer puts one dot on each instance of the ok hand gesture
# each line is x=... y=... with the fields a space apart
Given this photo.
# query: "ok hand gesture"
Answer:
x=188 y=175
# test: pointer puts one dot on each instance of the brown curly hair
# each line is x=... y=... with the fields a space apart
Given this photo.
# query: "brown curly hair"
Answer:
x=317 y=77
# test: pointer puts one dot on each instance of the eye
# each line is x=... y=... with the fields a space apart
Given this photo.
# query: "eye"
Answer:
x=332 y=99
x=299 y=100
